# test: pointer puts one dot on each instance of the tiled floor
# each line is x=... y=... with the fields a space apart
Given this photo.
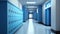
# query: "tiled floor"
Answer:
x=32 y=27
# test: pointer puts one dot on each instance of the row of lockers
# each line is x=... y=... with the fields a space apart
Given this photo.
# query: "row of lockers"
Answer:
x=14 y=17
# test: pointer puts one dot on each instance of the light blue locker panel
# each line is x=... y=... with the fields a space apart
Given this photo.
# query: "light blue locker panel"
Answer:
x=14 y=18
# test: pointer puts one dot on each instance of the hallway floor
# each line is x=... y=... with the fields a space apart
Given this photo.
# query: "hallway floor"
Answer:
x=32 y=27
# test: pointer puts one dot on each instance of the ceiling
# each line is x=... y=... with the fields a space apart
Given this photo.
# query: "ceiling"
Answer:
x=38 y=2
x=31 y=6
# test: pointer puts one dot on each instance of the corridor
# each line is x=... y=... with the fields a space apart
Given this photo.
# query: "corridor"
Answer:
x=29 y=16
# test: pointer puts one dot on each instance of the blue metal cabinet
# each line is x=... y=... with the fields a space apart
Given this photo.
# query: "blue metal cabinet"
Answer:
x=48 y=16
x=14 y=18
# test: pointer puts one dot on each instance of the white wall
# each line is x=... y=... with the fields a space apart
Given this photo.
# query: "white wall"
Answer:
x=43 y=13
x=16 y=3
x=58 y=15
x=55 y=15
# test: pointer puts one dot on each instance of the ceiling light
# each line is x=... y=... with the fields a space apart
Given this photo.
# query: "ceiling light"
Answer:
x=31 y=2
x=37 y=10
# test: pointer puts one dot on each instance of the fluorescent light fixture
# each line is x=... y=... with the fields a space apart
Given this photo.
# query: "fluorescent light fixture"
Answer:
x=31 y=2
x=31 y=7
x=37 y=10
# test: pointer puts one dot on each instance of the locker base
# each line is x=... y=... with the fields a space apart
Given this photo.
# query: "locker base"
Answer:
x=54 y=31
x=40 y=22
x=24 y=21
x=47 y=25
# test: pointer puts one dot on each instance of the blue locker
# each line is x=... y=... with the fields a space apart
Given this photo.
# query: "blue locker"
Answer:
x=48 y=13
x=14 y=18
x=35 y=15
x=48 y=16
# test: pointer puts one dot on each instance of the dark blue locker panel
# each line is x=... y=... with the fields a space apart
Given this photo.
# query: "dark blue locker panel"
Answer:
x=48 y=13
x=48 y=16
x=35 y=15
x=39 y=14
x=3 y=0
x=25 y=14
x=3 y=17
x=45 y=16
x=14 y=18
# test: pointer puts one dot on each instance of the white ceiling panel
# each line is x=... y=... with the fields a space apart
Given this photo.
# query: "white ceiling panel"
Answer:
x=38 y=2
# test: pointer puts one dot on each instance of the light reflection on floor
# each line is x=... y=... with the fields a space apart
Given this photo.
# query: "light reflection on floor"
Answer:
x=30 y=27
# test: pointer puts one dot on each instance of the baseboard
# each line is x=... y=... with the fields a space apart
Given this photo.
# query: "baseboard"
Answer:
x=24 y=21
x=43 y=24
x=18 y=28
x=47 y=25
x=54 y=31
x=40 y=23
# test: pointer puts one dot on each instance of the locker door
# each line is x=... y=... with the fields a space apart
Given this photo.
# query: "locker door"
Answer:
x=48 y=16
